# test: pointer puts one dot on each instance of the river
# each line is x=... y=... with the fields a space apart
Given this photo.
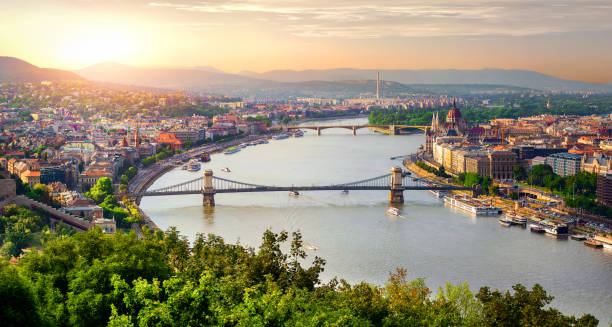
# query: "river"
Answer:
x=360 y=242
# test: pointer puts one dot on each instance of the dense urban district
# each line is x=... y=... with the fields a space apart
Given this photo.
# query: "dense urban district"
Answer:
x=76 y=250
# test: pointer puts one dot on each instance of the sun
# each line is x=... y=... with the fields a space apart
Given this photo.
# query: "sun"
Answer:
x=94 y=47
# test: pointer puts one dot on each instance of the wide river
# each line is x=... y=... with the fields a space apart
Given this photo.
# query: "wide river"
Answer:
x=360 y=242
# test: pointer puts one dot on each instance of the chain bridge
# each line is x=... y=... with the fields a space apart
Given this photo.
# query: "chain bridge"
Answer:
x=395 y=182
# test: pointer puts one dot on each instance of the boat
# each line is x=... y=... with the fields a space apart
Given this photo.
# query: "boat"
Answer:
x=205 y=157
x=505 y=222
x=516 y=218
x=535 y=228
x=472 y=206
x=578 y=237
x=593 y=244
x=438 y=193
x=393 y=211
x=281 y=137
x=311 y=247
x=294 y=193
x=298 y=134
x=193 y=165
x=184 y=167
x=345 y=191
x=225 y=169
x=231 y=150
x=556 y=230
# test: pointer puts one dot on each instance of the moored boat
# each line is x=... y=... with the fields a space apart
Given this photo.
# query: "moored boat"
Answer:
x=578 y=237
x=593 y=244
x=231 y=150
x=473 y=206
x=535 y=228
x=556 y=229
x=205 y=157
x=505 y=222
x=516 y=218
x=281 y=137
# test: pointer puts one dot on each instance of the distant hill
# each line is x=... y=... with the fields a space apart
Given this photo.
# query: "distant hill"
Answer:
x=201 y=79
x=518 y=78
x=17 y=70
x=209 y=69
x=172 y=78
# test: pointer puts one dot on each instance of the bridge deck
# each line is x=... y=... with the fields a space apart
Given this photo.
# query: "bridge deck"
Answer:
x=305 y=188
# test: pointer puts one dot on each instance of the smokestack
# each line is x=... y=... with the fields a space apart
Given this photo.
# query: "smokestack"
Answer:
x=377 y=85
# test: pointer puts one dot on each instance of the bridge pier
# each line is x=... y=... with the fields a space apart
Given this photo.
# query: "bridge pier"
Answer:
x=318 y=131
x=396 y=192
x=354 y=130
x=392 y=130
x=208 y=191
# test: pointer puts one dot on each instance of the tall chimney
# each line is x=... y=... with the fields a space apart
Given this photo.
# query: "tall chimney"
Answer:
x=377 y=85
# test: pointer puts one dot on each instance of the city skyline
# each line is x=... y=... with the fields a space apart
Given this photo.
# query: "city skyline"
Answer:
x=566 y=39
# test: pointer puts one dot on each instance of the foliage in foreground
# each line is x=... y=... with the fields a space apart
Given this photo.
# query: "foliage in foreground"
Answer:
x=93 y=279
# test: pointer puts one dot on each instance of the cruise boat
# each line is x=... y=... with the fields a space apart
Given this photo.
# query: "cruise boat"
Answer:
x=393 y=211
x=516 y=218
x=593 y=244
x=281 y=137
x=535 y=228
x=294 y=193
x=578 y=237
x=193 y=165
x=226 y=169
x=472 y=206
x=231 y=150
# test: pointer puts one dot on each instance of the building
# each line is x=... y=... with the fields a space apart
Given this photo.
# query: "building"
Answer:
x=564 y=164
x=31 y=177
x=478 y=164
x=598 y=164
x=604 y=189
x=501 y=164
x=52 y=174
x=108 y=226
x=170 y=139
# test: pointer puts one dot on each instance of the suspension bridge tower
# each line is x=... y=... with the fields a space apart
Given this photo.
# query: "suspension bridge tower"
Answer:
x=208 y=191
x=396 y=193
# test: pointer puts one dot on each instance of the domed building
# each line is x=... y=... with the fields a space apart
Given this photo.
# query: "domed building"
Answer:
x=454 y=125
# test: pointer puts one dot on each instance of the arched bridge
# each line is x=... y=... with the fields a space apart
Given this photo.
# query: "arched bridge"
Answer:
x=396 y=182
x=387 y=129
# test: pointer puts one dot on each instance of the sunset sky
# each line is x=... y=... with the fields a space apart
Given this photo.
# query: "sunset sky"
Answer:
x=568 y=39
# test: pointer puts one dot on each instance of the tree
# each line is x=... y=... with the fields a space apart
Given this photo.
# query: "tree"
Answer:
x=98 y=192
x=519 y=173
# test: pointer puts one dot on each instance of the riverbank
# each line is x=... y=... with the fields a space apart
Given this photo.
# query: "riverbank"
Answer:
x=147 y=176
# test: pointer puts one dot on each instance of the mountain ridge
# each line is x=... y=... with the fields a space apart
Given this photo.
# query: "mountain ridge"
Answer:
x=16 y=70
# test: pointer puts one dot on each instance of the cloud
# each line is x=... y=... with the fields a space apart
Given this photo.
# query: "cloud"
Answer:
x=385 y=18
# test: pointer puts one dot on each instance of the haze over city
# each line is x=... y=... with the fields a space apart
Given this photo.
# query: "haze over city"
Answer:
x=567 y=39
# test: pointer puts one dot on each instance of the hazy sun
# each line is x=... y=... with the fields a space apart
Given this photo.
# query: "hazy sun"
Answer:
x=92 y=48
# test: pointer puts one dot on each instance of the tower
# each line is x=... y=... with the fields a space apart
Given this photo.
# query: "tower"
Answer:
x=377 y=85
x=136 y=139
